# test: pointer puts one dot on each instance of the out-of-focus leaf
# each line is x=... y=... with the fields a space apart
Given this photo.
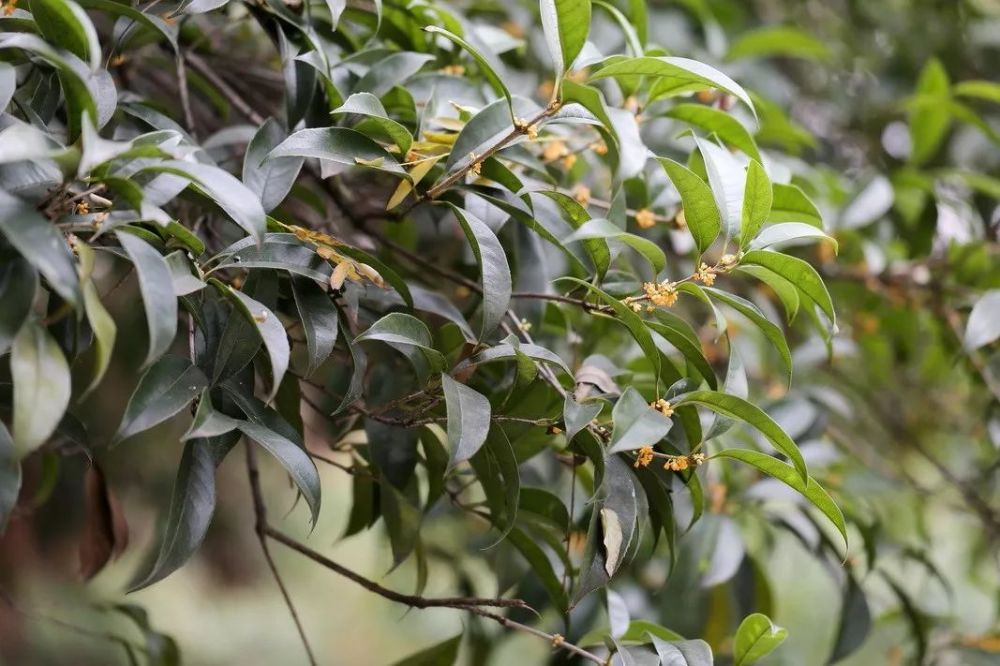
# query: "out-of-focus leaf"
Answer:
x=930 y=118
x=485 y=67
x=855 y=621
x=100 y=321
x=683 y=653
x=468 y=419
x=984 y=321
x=191 y=507
x=566 y=24
x=540 y=565
x=577 y=415
x=789 y=233
x=42 y=387
x=756 y=637
x=39 y=242
x=165 y=389
x=105 y=532
x=700 y=210
x=636 y=424
x=442 y=654
x=10 y=477
x=785 y=473
x=157 y=289
x=18 y=283
x=870 y=204
x=67 y=26
x=784 y=41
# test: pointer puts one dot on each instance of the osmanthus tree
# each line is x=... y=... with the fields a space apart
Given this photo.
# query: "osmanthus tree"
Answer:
x=488 y=269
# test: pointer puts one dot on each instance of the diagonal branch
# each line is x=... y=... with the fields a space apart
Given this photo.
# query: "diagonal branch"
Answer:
x=260 y=527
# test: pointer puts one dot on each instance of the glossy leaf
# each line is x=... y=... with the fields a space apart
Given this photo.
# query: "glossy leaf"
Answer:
x=566 y=24
x=164 y=390
x=756 y=637
x=468 y=419
x=799 y=273
x=41 y=387
x=493 y=266
x=636 y=424
x=700 y=210
x=757 y=201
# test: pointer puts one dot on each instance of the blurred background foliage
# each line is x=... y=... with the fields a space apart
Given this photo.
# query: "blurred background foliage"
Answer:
x=903 y=164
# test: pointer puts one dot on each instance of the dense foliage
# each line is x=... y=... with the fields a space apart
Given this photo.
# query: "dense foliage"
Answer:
x=629 y=302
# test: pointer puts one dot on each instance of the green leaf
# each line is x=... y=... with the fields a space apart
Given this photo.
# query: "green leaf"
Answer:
x=669 y=327
x=727 y=178
x=636 y=424
x=149 y=20
x=600 y=228
x=770 y=330
x=785 y=41
x=10 y=477
x=367 y=104
x=67 y=26
x=100 y=321
x=18 y=284
x=391 y=71
x=786 y=292
x=799 y=273
x=683 y=653
x=266 y=427
x=577 y=415
x=404 y=333
x=755 y=638
x=272 y=334
x=39 y=242
x=442 y=654
x=757 y=200
x=566 y=24
x=540 y=565
x=986 y=90
x=191 y=507
x=789 y=233
x=507 y=352
x=493 y=266
x=484 y=130
x=632 y=321
x=734 y=407
x=700 y=210
x=338 y=144
x=806 y=486
x=983 y=326
x=718 y=122
x=790 y=204
x=673 y=71
x=319 y=320
x=931 y=117
x=484 y=66
x=208 y=422
x=468 y=419
x=164 y=390
x=157 y=289
x=42 y=387
x=224 y=189
x=273 y=178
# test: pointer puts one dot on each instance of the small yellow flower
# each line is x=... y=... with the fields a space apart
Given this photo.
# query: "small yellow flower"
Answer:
x=554 y=150
x=569 y=161
x=532 y=132
x=682 y=464
x=663 y=407
x=557 y=640
x=697 y=458
x=118 y=60
x=82 y=208
x=663 y=294
x=645 y=218
x=453 y=70
x=599 y=147
x=705 y=274
x=636 y=307
x=9 y=7
x=644 y=456
x=582 y=194
x=728 y=261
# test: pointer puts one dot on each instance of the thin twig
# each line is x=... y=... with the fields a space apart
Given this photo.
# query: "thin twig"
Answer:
x=182 y=89
x=557 y=641
x=411 y=600
x=260 y=527
x=234 y=98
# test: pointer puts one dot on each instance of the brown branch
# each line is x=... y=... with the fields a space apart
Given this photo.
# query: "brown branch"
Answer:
x=234 y=98
x=185 y=96
x=557 y=641
x=411 y=600
x=260 y=527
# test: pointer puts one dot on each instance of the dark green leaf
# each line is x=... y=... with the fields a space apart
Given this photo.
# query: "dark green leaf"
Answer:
x=468 y=419
x=157 y=289
x=166 y=388
x=493 y=266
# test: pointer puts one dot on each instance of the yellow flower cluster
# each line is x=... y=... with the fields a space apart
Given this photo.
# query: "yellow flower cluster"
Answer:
x=644 y=456
x=683 y=462
x=705 y=274
x=645 y=218
x=728 y=261
x=9 y=7
x=663 y=407
x=346 y=268
x=582 y=194
x=663 y=294
x=599 y=148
